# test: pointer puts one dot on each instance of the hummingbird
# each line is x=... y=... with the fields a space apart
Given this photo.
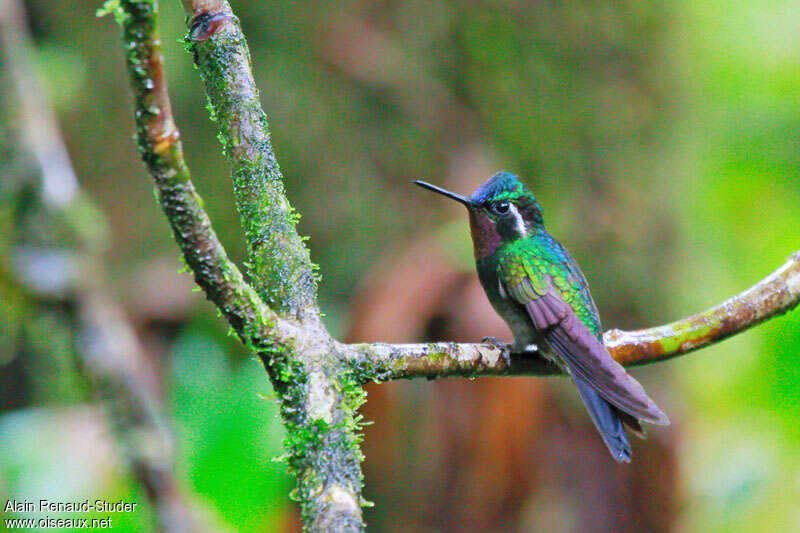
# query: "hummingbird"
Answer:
x=536 y=286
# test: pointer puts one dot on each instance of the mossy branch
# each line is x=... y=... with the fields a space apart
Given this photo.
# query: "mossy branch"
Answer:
x=317 y=392
x=279 y=262
x=774 y=295
x=161 y=150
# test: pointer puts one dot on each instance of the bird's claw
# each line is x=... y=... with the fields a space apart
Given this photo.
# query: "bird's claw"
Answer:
x=505 y=351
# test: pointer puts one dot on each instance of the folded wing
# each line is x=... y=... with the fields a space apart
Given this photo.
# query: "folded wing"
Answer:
x=582 y=352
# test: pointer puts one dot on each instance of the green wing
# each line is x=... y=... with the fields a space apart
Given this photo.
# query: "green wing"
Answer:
x=557 y=302
x=529 y=275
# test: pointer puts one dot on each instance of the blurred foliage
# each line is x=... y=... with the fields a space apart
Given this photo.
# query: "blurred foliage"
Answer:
x=231 y=433
x=661 y=139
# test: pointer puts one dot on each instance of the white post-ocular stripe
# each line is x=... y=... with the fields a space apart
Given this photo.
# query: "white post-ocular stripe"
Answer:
x=520 y=223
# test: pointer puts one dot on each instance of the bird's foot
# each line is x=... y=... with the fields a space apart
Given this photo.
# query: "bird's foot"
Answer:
x=505 y=351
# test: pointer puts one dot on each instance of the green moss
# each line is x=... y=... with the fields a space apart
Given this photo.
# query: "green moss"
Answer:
x=320 y=454
x=280 y=264
x=366 y=369
x=112 y=7
x=436 y=357
x=684 y=332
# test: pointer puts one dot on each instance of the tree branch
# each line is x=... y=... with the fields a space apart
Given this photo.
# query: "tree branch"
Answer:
x=317 y=392
x=774 y=295
x=40 y=134
x=161 y=150
x=279 y=262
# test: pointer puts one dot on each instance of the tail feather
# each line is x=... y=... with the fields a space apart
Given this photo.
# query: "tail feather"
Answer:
x=633 y=423
x=608 y=421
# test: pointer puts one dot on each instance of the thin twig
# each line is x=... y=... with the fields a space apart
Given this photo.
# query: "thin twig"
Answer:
x=115 y=359
x=774 y=295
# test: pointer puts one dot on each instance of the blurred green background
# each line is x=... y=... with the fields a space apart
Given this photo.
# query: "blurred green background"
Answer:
x=661 y=138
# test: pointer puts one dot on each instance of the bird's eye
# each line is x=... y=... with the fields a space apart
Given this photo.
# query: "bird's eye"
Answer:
x=501 y=207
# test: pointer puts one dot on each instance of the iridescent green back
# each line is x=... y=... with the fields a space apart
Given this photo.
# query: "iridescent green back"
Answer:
x=548 y=266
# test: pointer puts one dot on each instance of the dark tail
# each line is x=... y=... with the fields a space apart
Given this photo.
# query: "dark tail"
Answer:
x=607 y=420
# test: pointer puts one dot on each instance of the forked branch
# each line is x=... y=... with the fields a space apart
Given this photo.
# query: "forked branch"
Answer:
x=317 y=379
x=160 y=146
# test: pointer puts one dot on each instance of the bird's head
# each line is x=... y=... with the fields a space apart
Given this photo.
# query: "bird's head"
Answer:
x=502 y=210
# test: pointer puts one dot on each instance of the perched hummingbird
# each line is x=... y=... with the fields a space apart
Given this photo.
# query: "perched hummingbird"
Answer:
x=541 y=293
